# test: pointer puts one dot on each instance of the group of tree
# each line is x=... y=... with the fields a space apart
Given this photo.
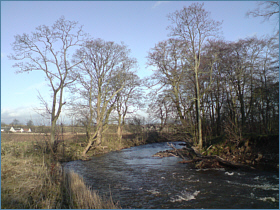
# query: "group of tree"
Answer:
x=100 y=75
x=201 y=82
x=212 y=85
x=106 y=83
x=16 y=122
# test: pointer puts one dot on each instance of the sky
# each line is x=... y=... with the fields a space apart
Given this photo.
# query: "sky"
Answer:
x=139 y=24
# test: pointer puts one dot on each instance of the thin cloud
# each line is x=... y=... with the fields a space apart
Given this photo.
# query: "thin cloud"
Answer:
x=158 y=3
x=22 y=113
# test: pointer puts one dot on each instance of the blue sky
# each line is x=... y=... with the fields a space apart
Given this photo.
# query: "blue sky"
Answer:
x=139 y=24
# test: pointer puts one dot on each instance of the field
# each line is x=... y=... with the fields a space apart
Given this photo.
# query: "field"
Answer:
x=32 y=177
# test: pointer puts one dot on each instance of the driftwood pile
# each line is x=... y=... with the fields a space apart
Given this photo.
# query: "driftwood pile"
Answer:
x=198 y=161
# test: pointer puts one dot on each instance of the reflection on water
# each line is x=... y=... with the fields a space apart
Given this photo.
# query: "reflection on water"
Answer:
x=138 y=180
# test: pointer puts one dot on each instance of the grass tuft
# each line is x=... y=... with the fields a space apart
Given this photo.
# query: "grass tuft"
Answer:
x=82 y=197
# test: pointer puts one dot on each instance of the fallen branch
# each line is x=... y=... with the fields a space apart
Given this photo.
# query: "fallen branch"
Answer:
x=179 y=153
x=231 y=164
x=200 y=161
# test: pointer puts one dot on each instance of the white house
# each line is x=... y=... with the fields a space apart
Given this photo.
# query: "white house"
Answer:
x=16 y=130
x=19 y=130
x=5 y=129
x=27 y=130
x=12 y=130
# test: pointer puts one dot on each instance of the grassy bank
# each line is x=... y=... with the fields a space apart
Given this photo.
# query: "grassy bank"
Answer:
x=32 y=177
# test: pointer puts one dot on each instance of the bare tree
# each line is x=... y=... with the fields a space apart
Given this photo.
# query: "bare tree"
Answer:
x=103 y=64
x=243 y=71
x=194 y=26
x=265 y=9
x=128 y=100
x=267 y=84
x=49 y=49
x=161 y=109
x=170 y=62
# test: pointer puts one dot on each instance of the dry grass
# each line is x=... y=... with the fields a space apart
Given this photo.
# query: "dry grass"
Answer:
x=82 y=197
x=32 y=178
x=27 y=183
x=128 y=140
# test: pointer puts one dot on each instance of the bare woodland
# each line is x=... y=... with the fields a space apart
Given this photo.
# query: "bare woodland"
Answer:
x=202 y=84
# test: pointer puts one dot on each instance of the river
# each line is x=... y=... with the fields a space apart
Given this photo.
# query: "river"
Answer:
x=137 y=180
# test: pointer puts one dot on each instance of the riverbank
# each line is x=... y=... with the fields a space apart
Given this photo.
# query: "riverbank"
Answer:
x=29 y=183
x=259 y=152
x=32 y=177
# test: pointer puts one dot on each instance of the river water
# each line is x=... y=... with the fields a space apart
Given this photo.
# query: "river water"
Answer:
x=137 y=180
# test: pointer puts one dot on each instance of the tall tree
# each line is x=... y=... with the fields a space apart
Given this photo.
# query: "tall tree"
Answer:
x=128 y=100
x=169 y=60
x=267 y=81
x=161 y=109
x=48 y=49
x=193 y=25
x=243 y=71
x=103 y=64
x=216 y=93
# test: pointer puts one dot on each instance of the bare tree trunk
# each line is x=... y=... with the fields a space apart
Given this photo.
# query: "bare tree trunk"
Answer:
x=52 y=131
x=87 y=148
x=99 y=136
x=198 y=109
x=88 y=132
x=119 y=131
x=91 y=140
x=178 y=108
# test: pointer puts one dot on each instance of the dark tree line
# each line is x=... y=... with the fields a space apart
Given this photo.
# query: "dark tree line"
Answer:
x=213 y=86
